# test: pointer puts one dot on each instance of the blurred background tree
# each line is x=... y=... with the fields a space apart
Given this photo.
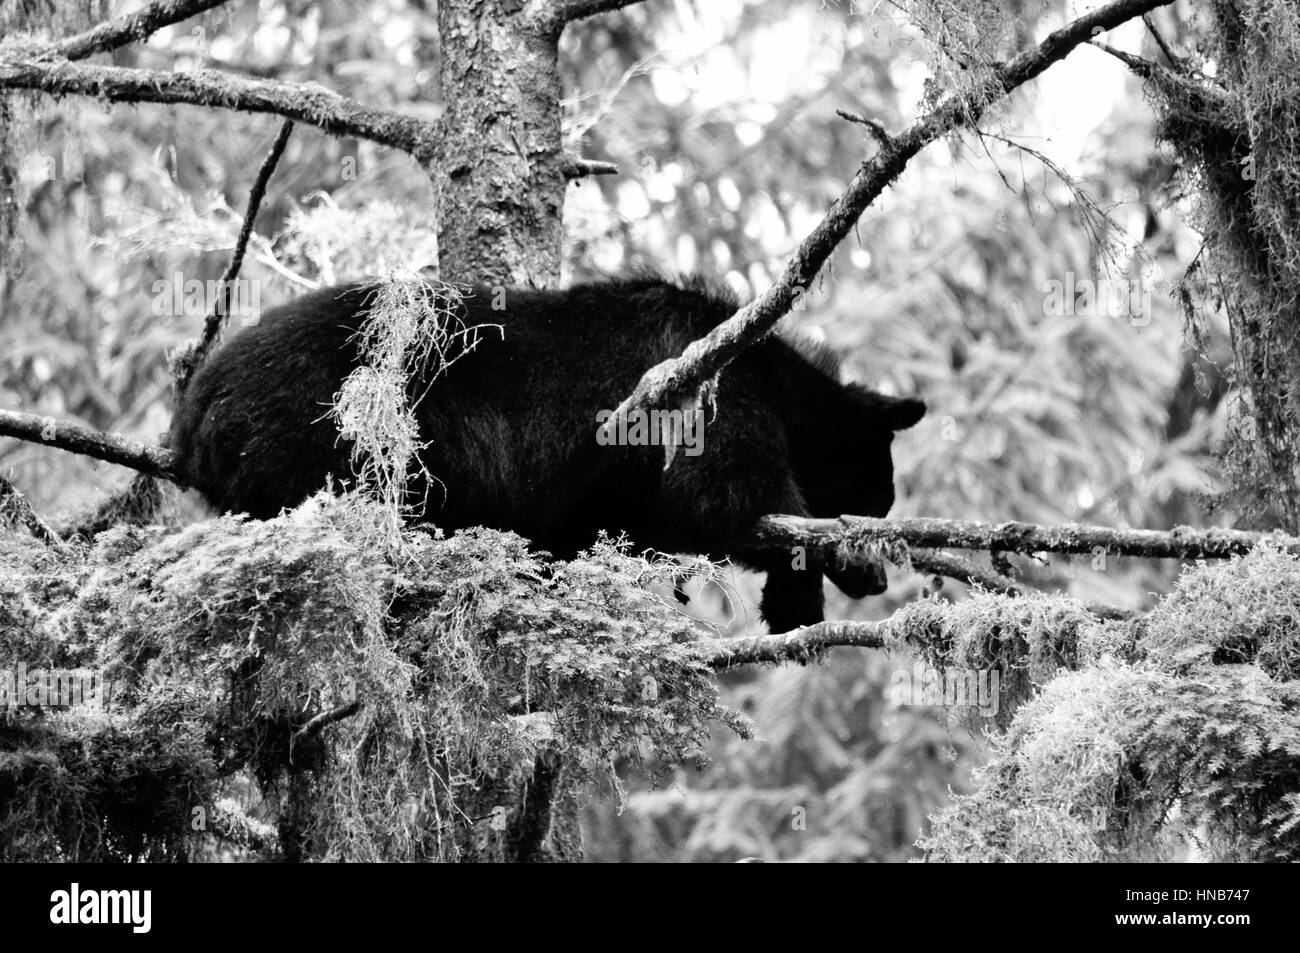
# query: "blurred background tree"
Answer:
x=722 y=119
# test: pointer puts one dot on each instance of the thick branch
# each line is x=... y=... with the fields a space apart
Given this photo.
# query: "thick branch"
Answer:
x=552 y=15
x=131 y=27
x=671 y=381
x=313 y=105
x=310 y=104
x=77 y=438
x=1183 y=542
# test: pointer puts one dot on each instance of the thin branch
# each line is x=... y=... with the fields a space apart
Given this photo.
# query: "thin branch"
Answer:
x=963 y=570
x=16 y=509
x=132 y=27
x=217 y=318
x=876 y=129
x=1139 y=66
x=970 y=574
x=679 y=378
x=78 y=438
x=1160 y=42
x=1183 y=542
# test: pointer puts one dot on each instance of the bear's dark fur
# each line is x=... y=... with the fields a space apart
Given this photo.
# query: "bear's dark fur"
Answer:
x=511 y=428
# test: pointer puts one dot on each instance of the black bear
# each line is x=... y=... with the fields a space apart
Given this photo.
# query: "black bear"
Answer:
x=512 y=429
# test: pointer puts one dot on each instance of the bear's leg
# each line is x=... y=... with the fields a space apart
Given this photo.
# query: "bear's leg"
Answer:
x=792 y=597
x=710 y=503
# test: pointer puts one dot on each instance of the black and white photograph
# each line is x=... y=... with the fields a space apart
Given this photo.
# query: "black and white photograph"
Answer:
x=649 y=432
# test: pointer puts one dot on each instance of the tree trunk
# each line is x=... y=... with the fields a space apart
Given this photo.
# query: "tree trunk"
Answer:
x=498 y=174
x=500 y=187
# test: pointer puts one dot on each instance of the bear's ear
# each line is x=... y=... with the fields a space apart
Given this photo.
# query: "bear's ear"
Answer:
x=903 y=412
x=896 y=413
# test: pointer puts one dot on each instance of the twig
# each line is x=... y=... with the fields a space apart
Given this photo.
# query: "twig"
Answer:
x=575 y=168
x=1139 y=66
x=1174 y=61
x=78 y=438
x=876 y=129
x=15 y=508
x=967 y=572
x=217 y=317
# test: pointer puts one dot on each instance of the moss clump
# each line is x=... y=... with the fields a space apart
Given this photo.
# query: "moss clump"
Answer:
x=1187 y=747
x=446 y=665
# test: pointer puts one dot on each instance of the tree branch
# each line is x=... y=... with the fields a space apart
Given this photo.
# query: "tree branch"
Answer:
x=552 y=15
x=132 y=27
x=313 y=105
x=310 y=104
x=78 y=438
x=577 y=168
x=831 y=536
x=802 y=645
x=320 y=722
x=678 y=379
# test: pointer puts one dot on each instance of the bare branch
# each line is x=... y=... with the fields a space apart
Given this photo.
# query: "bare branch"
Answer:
x=189 y=363
x=1183 y=542
x=131 y=27
x=677 y=379
x=78 y=438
